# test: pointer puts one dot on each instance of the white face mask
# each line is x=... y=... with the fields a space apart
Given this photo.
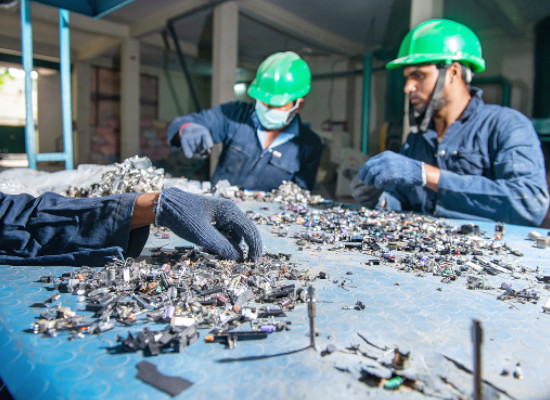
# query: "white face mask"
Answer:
x=271 y=118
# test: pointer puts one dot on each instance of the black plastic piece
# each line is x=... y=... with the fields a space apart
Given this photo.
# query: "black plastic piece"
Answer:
x=173 y=385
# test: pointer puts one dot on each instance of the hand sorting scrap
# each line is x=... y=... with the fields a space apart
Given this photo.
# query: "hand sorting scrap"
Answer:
x=54 y=230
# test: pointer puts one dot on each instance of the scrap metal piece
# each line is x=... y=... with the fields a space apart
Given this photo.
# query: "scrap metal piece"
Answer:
x=499 y=231
x=401 y=359
x=230 y=338
x=173 y=385
x=135 y=174
x=543 y=242
x=534 y=235
x=311 y=312
x=477 y=338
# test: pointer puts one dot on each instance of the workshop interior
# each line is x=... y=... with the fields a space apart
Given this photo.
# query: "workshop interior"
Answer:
x=347 y=301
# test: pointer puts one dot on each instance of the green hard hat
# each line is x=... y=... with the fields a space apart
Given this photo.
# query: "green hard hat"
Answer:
x=440 y=40
x=281 y=78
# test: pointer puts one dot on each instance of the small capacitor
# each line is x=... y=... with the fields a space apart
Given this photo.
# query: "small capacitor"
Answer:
x=506 y=285
x=111 y=274
x=499 y=231
x=170 y=311
x=394 y=383
x=172 y=293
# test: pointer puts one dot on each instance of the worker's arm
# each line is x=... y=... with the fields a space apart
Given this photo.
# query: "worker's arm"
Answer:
x=518 y=194
x=56 y=230
x=144 y=214
x=432 y=176
x=216 y=120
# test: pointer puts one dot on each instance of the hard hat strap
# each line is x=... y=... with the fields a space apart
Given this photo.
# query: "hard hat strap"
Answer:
x=431 y=108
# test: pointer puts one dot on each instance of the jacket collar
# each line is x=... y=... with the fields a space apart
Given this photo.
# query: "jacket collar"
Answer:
x=475 y=102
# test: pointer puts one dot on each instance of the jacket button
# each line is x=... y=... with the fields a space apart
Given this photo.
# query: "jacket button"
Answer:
x=441 y=153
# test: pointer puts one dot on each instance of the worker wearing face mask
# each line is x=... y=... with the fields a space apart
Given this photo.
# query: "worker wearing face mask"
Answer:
x=264 y=143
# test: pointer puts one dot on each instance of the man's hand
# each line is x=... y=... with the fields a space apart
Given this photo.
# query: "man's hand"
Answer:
x=195 y=140
x=213 y=223
x=390 y=167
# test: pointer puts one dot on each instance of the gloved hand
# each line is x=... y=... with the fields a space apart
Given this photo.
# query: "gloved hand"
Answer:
x=390 y=167
x=366 y=195
x=195 y=140
x=213 y=223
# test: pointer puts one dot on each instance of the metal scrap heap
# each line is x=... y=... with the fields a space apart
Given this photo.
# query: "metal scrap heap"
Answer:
x=289 y=192
x=134 y=175
x=187 y=289
x=409 y=242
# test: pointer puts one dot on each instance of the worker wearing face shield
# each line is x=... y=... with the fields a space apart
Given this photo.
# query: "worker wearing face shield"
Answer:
x=264 y=143
x=462 y=158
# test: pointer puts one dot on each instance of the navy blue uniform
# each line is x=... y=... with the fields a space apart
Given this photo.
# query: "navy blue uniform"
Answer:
x=243 y=162
x=56 y=230
x=491 y=164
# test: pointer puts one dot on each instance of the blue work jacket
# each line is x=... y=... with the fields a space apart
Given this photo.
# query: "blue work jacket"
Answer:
x=243 y=162
x=491 y=164
x=56 y=230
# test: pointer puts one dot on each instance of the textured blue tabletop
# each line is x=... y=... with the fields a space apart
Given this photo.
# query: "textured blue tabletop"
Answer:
x=412 y=311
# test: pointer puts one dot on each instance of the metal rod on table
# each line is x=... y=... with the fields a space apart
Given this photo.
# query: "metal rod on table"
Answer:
x=311 y=311
x=477 y=337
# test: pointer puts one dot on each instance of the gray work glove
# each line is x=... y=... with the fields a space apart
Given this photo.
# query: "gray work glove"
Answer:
x=213 y=223
x=366 y=195
x=195 y=140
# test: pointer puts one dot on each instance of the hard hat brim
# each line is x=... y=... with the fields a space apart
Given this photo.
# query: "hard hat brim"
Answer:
x=477 y=64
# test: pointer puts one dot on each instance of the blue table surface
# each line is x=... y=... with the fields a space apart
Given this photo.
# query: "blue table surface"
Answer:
x=430 y=318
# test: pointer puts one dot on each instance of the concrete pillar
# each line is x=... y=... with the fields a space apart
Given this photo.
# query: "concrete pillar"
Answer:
x=351 y=92
x=81 y=97
x=129 y=98
x=50 y=121
x=423 y=10
x=225 y=43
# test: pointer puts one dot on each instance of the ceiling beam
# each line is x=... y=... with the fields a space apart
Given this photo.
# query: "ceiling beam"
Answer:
x=97 y=48
x=292 y=25
x=188 y=49
x=43 y=33
x=507 y=15
x=157 y=21
x=104 y=44
x=79 y=22
x=45 y=25
x=12 y=46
